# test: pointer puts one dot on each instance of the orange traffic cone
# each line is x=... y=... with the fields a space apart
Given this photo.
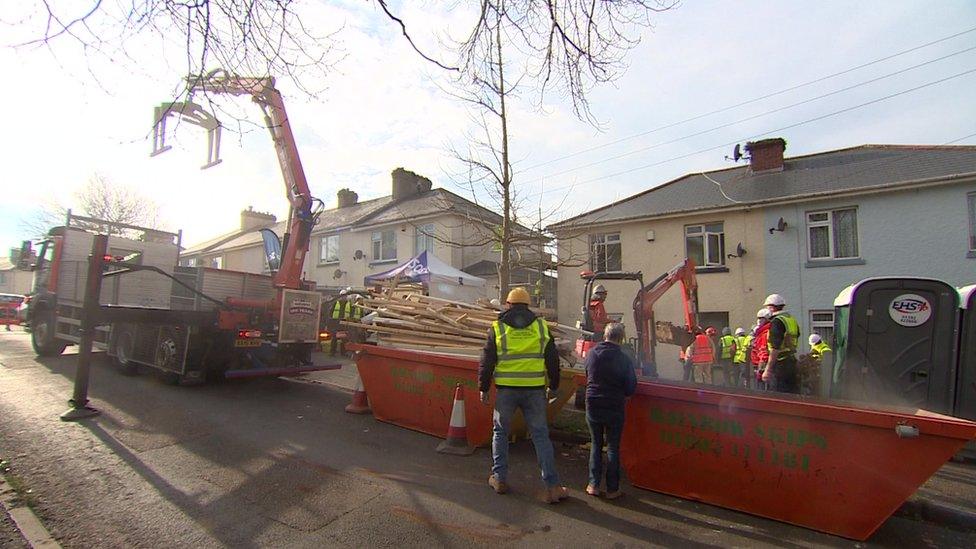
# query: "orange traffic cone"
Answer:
x=360 y=402
x=457 y=431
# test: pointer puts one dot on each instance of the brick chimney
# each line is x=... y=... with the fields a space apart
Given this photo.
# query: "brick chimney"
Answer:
x=766 y=155
x=251 y=219
x=407 y=184
x=346 y=198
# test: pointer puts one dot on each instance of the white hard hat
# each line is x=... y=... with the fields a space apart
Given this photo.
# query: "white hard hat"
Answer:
x=740 y=331
x=599 y=289
x=814 y=339
x=774 y=299
x=763 y=313
x=343 y=291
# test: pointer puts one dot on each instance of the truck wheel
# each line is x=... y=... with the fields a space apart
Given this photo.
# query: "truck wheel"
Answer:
x=124 y=349
x=42 y=337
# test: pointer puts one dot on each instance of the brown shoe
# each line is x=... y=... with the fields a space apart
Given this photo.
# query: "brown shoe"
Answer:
x=592 y=490
x=556 y=494
x=498 y=484
x=614 y=495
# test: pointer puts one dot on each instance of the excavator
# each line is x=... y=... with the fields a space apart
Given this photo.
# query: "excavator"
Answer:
x=649 y=332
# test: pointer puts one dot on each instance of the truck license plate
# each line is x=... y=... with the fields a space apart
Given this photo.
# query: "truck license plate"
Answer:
x=247 y=343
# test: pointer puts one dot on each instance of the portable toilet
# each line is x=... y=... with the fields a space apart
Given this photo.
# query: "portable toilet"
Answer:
x=895 y=343
x=965 y=406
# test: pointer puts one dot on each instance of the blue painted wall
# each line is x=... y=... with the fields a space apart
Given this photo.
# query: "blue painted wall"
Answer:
x=920 y=232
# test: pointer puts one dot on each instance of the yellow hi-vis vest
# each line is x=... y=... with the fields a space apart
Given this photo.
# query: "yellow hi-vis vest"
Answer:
x=741 y=344
x=339 y=310
x=727 y=341
x=521 y=354
x=788 y=348
x=818 y=350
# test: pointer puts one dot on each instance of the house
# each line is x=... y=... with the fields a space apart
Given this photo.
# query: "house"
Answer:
x=359 y=238
x=804 y=227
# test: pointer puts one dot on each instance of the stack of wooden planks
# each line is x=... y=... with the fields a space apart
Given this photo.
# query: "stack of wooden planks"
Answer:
x=424 y=322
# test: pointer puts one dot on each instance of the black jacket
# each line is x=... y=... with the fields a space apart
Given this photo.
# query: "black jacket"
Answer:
x=610 y=376
x=519 y=316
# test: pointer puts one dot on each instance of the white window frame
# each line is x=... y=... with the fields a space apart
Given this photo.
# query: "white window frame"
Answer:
x=971 y=201
x=822 y=323
x=217 y=262
x=702 y=229
x=377 y=239
x=828 y=222
x=425 y=238
x=600 y=244
x=190 y=262
x=324 y=257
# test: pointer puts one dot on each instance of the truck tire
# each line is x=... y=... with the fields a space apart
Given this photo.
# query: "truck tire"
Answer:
x=42 y=336
x=124 y=350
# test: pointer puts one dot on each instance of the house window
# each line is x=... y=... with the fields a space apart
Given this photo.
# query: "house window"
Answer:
x=3 y=278
x=217 y=262
x=425 y=238
x=705 y=244
x=832 y=234
x=384 y=245
x=822 y=324
x=190 y=262
x=605 y=252
x=329 y=249
x=971 y=198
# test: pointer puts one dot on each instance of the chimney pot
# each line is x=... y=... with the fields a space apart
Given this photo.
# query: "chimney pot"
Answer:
x=766 y=155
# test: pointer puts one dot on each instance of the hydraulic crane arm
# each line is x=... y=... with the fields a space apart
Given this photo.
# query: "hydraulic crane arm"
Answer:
x=304 y=209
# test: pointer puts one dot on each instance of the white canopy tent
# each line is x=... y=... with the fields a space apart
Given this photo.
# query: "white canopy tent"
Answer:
x=439 y=278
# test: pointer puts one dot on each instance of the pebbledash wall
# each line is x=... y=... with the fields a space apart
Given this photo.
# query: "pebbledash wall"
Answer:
x=922 y=231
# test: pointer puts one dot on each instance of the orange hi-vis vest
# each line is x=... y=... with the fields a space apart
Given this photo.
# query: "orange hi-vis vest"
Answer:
x=703 y=353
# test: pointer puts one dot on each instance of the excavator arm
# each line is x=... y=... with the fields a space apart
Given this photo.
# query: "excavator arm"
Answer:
x=684 y=274
x=304 y=209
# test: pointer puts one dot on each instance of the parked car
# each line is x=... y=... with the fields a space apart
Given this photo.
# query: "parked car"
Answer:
x=9 y=305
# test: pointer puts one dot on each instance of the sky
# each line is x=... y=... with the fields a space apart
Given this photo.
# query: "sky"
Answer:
x=69 y=115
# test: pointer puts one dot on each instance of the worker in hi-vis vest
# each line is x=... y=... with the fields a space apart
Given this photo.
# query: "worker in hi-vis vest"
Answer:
x=818 y=347
x=783 y=335
x=342 y=309
x=520 y=358
x=726 y=353
x=740 y=369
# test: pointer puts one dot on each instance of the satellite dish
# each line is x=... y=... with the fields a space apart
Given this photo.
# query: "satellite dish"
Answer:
x=358 y=254
x=739 y=251
x=337 y=274
x=736 y=153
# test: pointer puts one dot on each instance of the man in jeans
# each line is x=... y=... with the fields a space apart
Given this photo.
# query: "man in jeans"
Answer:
x=519 y=355
x=610 y=379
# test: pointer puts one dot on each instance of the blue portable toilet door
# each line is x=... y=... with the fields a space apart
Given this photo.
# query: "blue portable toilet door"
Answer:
x=907 y=330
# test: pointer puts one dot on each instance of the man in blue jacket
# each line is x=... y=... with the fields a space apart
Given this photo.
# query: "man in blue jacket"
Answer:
x=610 y=379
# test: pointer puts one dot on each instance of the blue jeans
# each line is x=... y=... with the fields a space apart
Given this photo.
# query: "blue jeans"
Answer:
x=533 y=405
x=605 y=424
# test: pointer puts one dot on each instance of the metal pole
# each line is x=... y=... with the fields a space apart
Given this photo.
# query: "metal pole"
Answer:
x=93 y=286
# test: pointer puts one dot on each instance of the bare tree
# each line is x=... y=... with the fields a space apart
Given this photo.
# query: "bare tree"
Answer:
x=567 y=47
x=103 y=199
x=258 y=37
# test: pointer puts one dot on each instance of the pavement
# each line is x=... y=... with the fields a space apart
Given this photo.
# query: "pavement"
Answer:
x=276 y=463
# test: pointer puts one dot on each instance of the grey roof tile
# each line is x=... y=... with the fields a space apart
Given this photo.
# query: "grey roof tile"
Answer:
x=845 y=170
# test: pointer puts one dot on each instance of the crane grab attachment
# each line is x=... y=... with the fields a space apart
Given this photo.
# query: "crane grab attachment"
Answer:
x=192 y=113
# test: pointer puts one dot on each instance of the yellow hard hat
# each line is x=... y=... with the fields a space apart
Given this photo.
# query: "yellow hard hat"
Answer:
x=518 y=295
